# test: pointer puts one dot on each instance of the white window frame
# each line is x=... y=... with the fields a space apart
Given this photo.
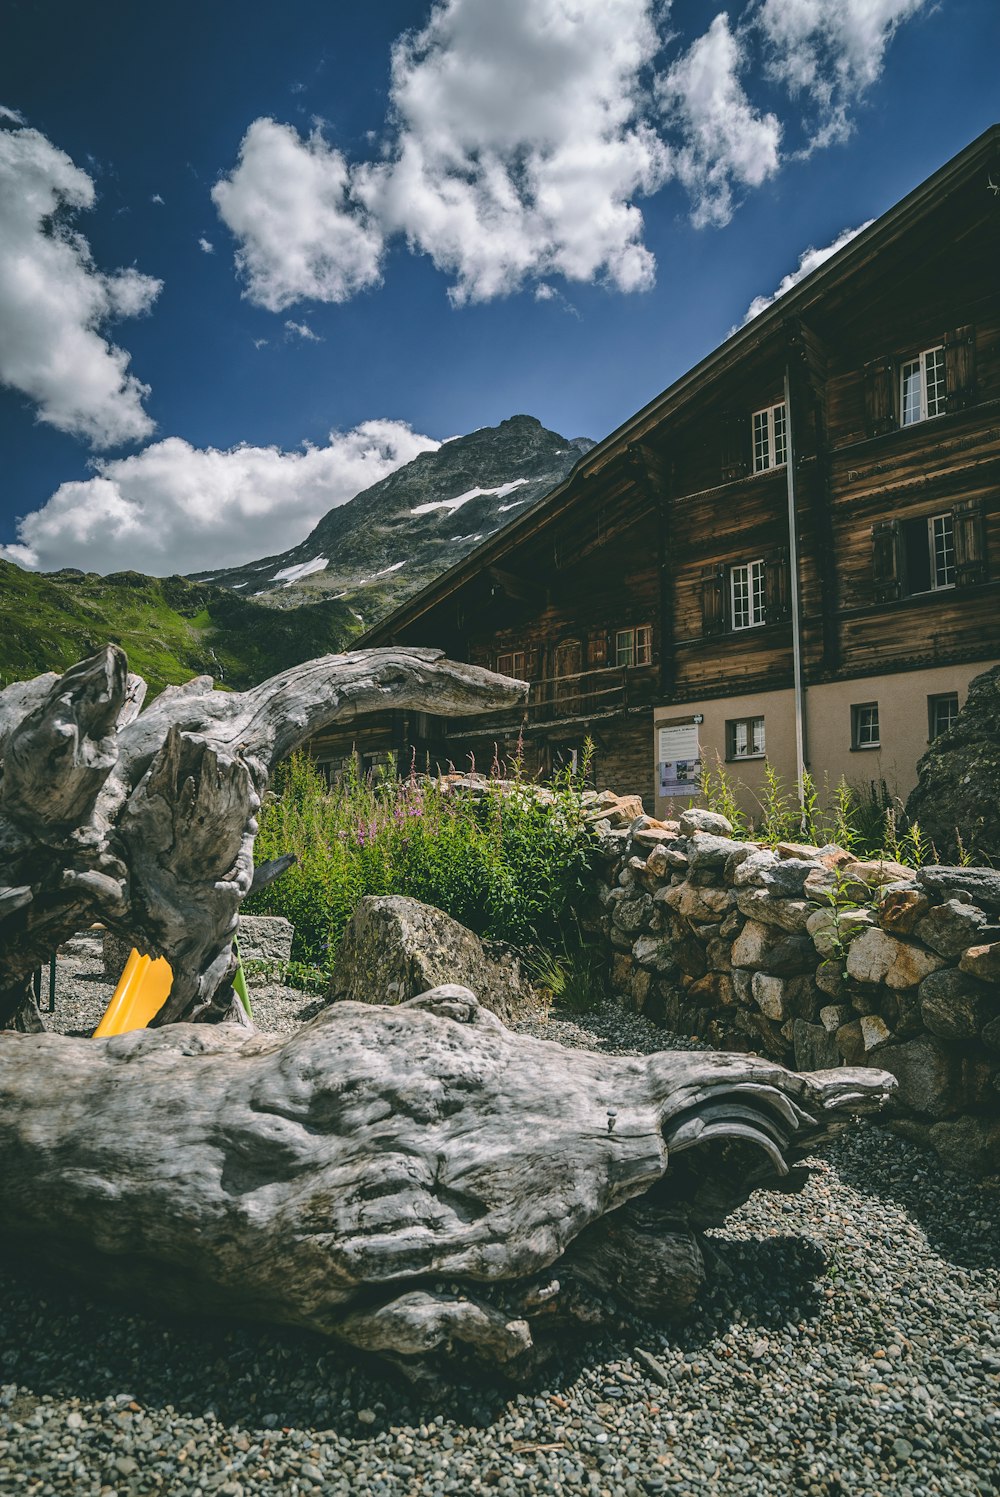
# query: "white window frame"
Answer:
x=745 y=738
x=934 y=704
x=634 y=646
x=751 y=575
x=941 y=543
x=926 y=397
x=772 y=428
x=512 y=663
x=866 y=731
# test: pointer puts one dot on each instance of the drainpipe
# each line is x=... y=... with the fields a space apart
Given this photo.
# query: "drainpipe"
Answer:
x=793 y=584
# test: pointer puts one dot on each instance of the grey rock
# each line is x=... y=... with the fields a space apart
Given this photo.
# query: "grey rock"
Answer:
x=395 y=948
x=815 y=1048
x=968 y=1145
x=982 y=885
x=958 y=779
x=935 y=1078
x=952 y=1005
x=786 y=879
x=265 y=938
x=753 y=866
x=763 y=948
x=694 y=819
x=631 y=914
x=762 y=905
x=780 y=998
x=708 y=851
x=950 y=927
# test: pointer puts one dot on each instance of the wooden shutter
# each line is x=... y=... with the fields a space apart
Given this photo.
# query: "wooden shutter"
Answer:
x=734 y=445
x=880 y=397
x=960 y=368
x=970 y=543
x=887 y=560
x=777 y=604
x=713 y=600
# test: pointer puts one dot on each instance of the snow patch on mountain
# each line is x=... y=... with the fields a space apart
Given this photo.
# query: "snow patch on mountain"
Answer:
x=288 y=575
x=460 y=499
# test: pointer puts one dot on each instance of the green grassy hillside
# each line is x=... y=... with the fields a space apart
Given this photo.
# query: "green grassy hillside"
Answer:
x=170 y=628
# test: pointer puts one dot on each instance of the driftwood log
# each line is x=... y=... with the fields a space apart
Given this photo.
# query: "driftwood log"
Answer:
x=146 y=820
x=418 y=1181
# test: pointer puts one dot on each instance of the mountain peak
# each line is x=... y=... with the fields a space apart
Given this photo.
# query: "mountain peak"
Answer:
x=393 y=538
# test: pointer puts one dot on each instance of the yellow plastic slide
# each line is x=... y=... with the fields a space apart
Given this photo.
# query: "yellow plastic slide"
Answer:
x=142 y=991
x=140 y=994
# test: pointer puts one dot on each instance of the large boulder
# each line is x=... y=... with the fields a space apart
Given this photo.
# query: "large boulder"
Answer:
x=958 y=779
x=395 y=948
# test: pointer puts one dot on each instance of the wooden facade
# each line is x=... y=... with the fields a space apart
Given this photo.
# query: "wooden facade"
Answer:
x=659 y=575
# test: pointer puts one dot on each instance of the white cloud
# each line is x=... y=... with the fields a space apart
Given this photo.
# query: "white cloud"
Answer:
x=810 y=260
x=302 y=330
x=301 y=237
x=521 y=141
x=178 y=508
x=516 y=146
x=11 y=114
x=724 y=140
x=156 y=198
x=54 y=301
x=521 y=137
x=831 y=51
x=206 y=246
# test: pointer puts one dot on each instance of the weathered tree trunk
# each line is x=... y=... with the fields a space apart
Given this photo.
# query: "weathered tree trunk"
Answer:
x=146 y=820
x=417 y=1181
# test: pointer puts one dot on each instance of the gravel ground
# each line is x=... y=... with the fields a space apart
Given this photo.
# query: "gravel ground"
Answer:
x=849 y=1343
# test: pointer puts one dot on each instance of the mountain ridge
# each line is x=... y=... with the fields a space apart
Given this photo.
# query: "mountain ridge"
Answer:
x=394 y=537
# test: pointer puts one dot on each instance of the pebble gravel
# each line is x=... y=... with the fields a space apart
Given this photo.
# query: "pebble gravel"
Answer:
x=848 y=1343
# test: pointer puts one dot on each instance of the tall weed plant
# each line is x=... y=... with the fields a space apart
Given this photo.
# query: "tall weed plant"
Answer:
x=506 y=863
x=866 y=821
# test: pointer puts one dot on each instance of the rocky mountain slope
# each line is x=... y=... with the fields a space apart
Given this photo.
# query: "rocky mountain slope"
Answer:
x=393 y=538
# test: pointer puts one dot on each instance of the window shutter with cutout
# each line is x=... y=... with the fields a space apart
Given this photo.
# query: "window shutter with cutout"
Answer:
x=880 y=397
x=777 y=604
x=887 y=561
x=970 y=543
x=735 y=445
x=713 y=600
x=960 y=368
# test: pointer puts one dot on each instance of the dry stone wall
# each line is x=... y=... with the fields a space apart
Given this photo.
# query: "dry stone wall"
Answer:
x=818 y=959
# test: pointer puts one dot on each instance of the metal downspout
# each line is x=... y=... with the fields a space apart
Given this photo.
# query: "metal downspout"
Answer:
x=793 y=584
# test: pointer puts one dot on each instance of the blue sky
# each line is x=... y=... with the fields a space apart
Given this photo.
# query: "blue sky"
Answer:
x=293 y=245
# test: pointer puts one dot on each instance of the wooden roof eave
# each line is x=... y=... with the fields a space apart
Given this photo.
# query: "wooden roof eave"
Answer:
x=770 y=324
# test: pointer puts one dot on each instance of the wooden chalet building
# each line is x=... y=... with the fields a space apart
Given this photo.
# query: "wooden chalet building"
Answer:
x=794 y=551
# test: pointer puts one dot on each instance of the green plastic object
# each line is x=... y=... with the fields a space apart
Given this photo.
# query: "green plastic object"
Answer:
x=240 y=982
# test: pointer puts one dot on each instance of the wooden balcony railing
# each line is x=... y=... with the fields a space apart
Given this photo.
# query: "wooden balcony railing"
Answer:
x=595 y=693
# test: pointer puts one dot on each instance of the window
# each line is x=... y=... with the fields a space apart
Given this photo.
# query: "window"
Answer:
x=922 y=387
x=864 y=726
x=512 y=664
x=769 y=444
x=929 y=552
x=634 y=646
x=902 y=391
x=745 y=738
x=747 y=595
x=942 y=713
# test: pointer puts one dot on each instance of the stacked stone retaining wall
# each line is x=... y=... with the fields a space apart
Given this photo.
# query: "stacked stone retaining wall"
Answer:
x=818 y=959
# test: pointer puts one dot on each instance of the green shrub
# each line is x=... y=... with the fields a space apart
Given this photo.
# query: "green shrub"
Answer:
x=506 y=864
